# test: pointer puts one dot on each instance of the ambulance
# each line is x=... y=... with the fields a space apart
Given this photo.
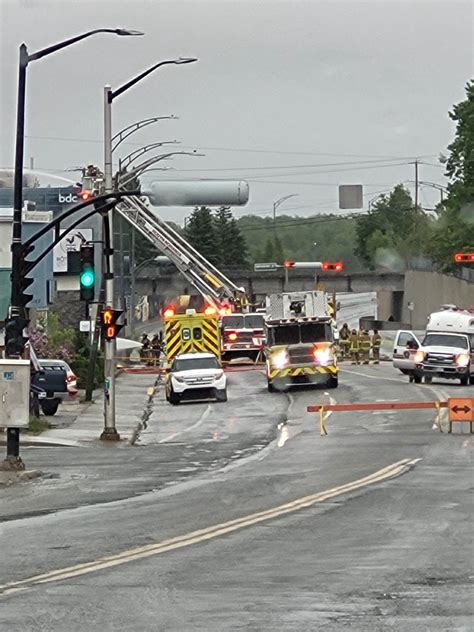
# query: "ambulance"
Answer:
x=191 y=332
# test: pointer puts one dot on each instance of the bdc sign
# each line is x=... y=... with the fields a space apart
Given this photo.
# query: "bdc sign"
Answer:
x=69 y=198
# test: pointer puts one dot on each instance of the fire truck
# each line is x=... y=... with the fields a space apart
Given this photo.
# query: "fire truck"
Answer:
x=242 y=335
x=300 y=347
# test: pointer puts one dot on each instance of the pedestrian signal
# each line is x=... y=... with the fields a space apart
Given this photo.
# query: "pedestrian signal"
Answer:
x=108 y=322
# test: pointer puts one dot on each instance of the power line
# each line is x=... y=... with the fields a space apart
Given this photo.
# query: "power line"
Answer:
x=239 y=149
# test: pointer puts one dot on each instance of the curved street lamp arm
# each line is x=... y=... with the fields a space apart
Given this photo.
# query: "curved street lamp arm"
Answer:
x=123 y=88
x=134 y=127
x=55 y=47
x=134 y=173
x=132 y=156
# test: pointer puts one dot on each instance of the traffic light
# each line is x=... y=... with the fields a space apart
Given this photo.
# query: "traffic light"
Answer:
x=87 y=273
x=108 y=322
x=463 y=257
x=14 y=339
x=288 y=263
x=336 y=267
x=85 y=195
x=24 y=281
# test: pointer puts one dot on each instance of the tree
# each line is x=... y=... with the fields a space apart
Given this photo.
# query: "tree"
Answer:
x=200 y=232
x=51 y=340
x=454 y=230
x=231 y=243
x=395 y=225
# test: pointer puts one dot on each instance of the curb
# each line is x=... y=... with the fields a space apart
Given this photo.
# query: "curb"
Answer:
x=9 y=478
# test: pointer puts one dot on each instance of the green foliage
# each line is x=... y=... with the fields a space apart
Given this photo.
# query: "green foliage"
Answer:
x=454 y=230
x=216 y=236
x=460 y=165
x=296 y=236
x=80 y=361
x=51 y=340
x=37 y=425
x=201 y=233
x=394 y=226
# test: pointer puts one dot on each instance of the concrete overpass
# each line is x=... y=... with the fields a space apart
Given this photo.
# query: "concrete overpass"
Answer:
x=405 y=296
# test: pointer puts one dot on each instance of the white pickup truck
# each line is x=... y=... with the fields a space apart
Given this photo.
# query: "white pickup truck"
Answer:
x=446 y=350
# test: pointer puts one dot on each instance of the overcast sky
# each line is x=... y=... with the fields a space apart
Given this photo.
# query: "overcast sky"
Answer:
x=282 y=94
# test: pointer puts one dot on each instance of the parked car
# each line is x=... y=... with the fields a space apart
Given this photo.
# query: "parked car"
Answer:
x=71 y=377
x=49 y=382
x=195 y=376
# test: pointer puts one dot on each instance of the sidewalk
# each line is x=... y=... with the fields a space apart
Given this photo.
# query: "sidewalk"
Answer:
x=88 y=417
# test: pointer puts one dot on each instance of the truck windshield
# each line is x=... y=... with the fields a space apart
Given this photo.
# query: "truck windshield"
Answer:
x=445 y=340
x=254 y=321
x=304 y=333
x=190 y=364
x=233 y=322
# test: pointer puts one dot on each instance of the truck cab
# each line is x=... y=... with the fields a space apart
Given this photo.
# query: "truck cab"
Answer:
x=300 y=345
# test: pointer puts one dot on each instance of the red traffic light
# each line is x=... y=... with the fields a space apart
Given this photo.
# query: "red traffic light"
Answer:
x=288 y=263
x=462 y=257
x=85 y=195
x=337 y=266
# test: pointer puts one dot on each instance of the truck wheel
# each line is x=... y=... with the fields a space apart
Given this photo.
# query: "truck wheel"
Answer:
x=428 y=379
x=417 y=379
x=464 y=380
x=333 y=382
x=471 y=380
x=50 y=407
x=271 y=387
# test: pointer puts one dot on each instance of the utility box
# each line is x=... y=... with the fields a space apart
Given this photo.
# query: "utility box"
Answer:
x=14 y=393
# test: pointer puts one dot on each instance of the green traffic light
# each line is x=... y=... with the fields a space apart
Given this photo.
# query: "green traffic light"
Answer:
x=87 y=278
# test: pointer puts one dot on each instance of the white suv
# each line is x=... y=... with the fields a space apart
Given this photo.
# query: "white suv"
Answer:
x=196 y=376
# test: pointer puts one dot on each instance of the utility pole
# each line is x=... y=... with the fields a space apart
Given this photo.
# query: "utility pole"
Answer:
x=110 y=431
x=416 y=184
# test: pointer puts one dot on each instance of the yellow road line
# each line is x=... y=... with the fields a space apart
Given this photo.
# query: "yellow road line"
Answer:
x=208 y=533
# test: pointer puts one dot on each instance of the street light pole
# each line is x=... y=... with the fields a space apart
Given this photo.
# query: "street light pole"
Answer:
x=110 y=430
x=277 y=204
x=13 y=459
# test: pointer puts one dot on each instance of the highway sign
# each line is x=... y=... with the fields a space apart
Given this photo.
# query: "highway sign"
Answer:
x=461 y=409
x=262 y=267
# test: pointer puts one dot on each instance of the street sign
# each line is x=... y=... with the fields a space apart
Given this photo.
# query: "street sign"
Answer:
x=261 y=267
x=350 y=196
x=461 y=409
x=85 y=326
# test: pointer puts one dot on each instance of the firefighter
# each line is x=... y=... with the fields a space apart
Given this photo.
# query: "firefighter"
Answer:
x=376 y=344
x=146 y=347
x=364 y=346
x=156 y=349
x=354 y=347
x=345 y=340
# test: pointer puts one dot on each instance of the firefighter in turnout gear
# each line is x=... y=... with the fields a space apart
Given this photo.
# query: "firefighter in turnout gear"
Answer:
x=376 y=344
x=354 y=347
x=345 y=340
x=364 y=339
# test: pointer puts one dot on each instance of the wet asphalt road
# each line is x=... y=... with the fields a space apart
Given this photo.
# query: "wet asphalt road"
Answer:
x=392 y=555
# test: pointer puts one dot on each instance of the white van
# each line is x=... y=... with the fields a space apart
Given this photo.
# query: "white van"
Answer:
x=446 y=350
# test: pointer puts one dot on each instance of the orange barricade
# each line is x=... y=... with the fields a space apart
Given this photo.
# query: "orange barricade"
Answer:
x=322 y=408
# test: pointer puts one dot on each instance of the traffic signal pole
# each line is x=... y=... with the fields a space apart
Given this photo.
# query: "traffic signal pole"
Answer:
x=109 y=432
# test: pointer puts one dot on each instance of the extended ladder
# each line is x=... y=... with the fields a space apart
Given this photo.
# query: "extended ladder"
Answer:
x=214 y=286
